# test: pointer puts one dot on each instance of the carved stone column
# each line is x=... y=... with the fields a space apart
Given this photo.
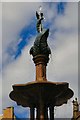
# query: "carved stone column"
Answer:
x=41 y=63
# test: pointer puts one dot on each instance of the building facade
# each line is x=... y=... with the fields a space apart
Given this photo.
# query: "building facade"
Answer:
x=8 y=113
x=76 y=112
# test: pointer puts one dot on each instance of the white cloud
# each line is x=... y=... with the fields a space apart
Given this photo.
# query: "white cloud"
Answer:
x=62 y=67
x=70 y=18
x=17 y=72
x=64 y=61
x=15 y=17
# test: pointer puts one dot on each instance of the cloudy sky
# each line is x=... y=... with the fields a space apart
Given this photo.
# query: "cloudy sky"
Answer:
x=18 y=35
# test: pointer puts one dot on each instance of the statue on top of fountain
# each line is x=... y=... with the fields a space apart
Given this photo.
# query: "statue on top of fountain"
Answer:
x=40 y=45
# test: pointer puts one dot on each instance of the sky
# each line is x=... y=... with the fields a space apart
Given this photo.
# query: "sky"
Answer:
x=18 y=35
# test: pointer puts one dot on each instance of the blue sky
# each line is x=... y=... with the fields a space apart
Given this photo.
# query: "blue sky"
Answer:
x=19 y=28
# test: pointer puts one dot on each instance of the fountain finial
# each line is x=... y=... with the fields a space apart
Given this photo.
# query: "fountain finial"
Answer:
x=40 y=46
